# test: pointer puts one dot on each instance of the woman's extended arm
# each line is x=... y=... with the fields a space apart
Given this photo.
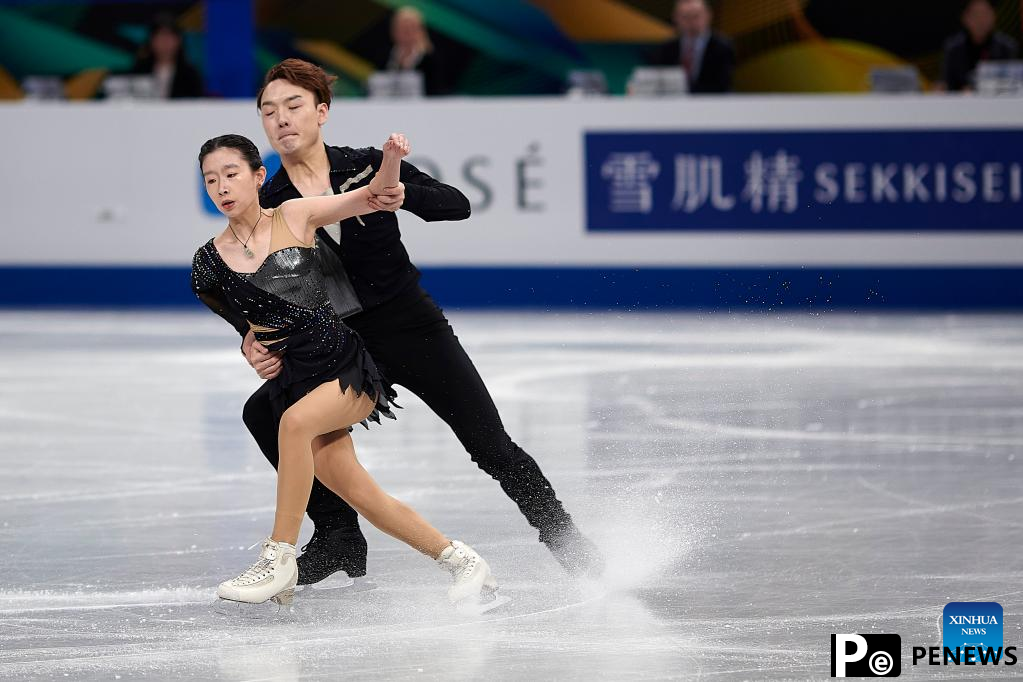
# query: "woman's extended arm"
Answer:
x=305 y=215
x=395 y=149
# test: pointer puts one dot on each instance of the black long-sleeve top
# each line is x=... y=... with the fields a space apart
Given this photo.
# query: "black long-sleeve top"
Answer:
x=187 y=81
x=716 y=67
x=371 y=250
x=961 y=56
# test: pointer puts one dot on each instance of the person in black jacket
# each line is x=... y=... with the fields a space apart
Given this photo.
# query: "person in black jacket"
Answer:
x=977 y=42
x=373 y=282
x=163 y=58
x=412 y=50
x=707 y=58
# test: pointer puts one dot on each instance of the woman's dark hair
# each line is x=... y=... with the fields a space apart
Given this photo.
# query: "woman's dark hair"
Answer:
x=239 y=142
x=162 y=22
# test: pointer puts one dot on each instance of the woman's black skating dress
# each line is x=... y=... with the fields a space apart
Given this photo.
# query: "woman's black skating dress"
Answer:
x=285 y=303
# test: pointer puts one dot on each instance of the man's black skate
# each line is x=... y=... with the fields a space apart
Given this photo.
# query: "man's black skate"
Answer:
x=573 y=550
x=331 y=550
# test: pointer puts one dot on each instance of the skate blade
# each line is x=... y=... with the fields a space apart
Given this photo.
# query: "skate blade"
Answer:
x=277 y=607
x=337 y=581
x=478 y=608
x=339 y=592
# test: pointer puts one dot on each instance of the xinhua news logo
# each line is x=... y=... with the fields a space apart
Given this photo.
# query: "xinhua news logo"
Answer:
x=866 y=655
x=973 y=627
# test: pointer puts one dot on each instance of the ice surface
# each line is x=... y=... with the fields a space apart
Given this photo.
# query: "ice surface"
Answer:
x=757 y=483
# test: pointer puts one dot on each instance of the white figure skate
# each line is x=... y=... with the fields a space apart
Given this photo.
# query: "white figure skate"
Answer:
x=475 y=588
x=270 y=581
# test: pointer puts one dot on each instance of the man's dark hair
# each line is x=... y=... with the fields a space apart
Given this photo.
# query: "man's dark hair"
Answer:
x=303 y=74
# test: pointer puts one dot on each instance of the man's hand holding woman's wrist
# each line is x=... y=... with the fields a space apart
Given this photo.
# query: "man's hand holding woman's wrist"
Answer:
x=267 y=363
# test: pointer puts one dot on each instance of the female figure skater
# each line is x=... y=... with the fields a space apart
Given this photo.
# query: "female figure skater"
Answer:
x=260 y=274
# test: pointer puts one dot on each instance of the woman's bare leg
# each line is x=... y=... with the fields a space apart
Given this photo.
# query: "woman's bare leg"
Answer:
x=323 y=410
x=339 y=469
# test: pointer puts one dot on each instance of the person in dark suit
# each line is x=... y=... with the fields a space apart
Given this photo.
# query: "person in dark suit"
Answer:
x=163 y=58
x=414 y=51
x=707 y=58
x=978 y=41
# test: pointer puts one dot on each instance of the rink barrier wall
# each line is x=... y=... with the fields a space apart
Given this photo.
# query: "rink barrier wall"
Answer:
x=749 y=202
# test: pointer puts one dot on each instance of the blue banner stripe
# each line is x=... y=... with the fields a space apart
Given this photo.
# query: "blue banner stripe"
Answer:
x=757 y=289
x=877 y=180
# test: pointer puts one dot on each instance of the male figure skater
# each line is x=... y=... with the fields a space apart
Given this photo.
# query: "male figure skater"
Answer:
x=406 y=333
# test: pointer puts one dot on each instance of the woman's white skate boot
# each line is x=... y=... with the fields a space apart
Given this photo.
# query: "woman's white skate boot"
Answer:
x=475 y=588
x=272 y=577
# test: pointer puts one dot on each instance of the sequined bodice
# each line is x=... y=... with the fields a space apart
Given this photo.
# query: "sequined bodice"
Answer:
x=286 y=294
x=292 y=274
x=284 y=304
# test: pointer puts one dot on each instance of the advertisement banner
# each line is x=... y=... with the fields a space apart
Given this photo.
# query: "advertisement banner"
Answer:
x=898 y=181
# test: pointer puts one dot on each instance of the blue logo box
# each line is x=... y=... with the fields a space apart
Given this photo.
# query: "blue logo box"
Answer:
x=878 y=180
x=972 y=623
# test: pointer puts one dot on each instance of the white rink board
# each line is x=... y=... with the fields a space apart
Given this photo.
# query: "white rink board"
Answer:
x=116 y=183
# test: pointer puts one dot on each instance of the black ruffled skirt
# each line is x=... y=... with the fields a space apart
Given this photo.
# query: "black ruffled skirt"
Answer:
x=321 y=350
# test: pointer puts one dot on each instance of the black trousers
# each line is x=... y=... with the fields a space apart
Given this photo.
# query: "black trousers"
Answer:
x=415 y=346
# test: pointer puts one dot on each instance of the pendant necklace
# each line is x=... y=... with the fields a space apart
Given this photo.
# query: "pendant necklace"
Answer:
x=245 y=244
